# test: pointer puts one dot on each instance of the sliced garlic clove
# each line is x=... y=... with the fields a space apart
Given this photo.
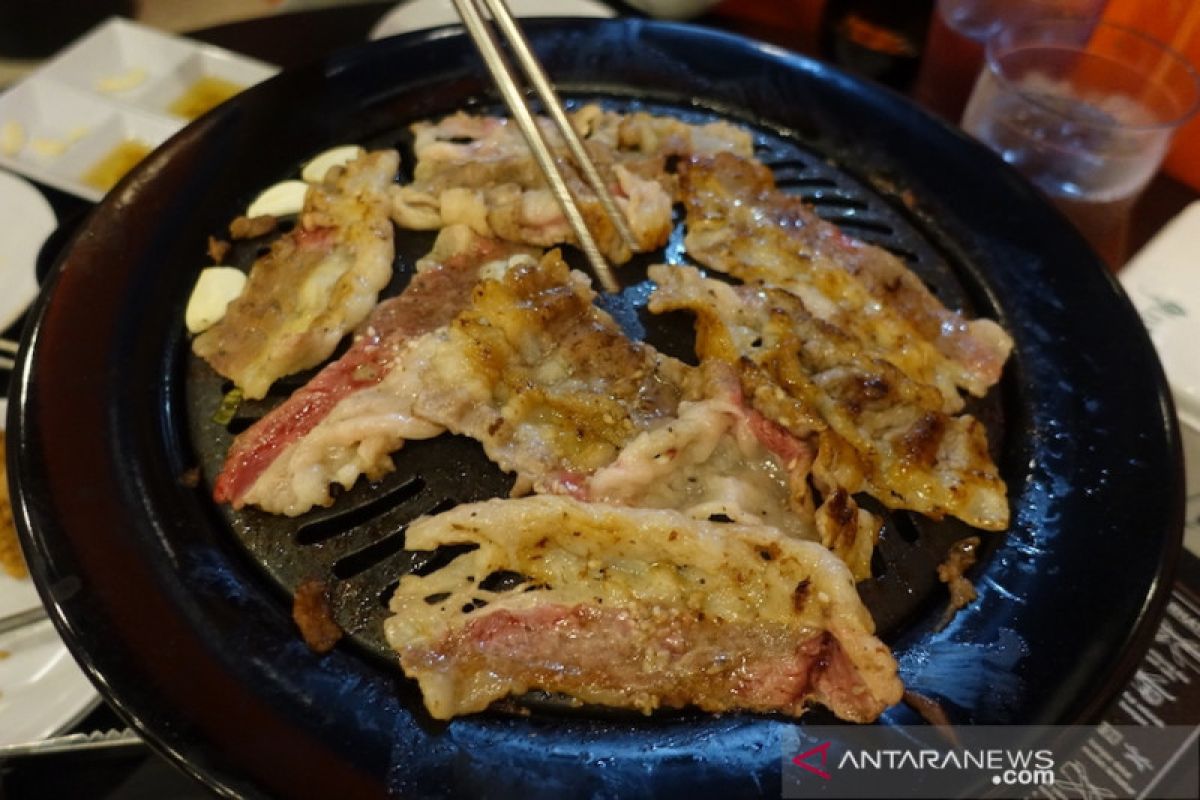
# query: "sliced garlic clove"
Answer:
x=280 y=200
x=314 y=171
x=215 y=289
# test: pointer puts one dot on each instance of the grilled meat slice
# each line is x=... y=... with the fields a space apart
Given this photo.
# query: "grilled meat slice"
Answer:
x=740 y=224
x=718 y=458
x=512 y=354
x=315 y=285
x=649 y=145
x=883 y=433
x=479 y=171
x=635 y=609
x=545 y=380
x=345 y=422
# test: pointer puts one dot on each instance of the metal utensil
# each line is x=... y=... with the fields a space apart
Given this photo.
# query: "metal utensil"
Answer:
x=22 y=619
x=484 y=37
x=119 y=738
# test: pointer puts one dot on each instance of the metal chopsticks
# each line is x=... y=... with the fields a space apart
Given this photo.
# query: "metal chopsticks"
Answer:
x=74 y=743
x=472 y=14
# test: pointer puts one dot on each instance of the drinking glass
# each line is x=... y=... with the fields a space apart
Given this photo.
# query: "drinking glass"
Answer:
x=1086 y=111
x=957 y=34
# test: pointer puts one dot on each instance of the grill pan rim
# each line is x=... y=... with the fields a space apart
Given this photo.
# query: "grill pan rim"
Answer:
x=137 y=595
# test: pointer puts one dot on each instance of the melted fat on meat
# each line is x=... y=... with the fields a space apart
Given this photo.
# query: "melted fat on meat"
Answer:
x=641 y=138
x=478 y=171
x=545 y=380
x=356 y=411
x=355 y=438
x=710 y=461
x=468 y=150
x=634 y=608
x=890 y=434
x=529 y=367
x=315 y=285
x=739 y=223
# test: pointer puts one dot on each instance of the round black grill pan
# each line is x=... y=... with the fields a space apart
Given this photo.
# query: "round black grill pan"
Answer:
x=180 y=610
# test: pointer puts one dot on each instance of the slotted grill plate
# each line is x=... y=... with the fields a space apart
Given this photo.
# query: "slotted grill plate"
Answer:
x=356 y=546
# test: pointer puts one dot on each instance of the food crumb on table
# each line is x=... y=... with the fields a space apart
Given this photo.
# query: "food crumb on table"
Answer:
x=11 y=559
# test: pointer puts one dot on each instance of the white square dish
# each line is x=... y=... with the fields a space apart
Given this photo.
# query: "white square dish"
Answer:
x=118 y=60
x=57 y=134
x=205 y=64
x=125 y=128
x=43 y=120
x=115 y=85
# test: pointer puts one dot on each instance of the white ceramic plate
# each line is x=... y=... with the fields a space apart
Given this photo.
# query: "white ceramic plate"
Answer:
x=114 y=85
x=28 y=220
x=42 y=690
x=420 y=14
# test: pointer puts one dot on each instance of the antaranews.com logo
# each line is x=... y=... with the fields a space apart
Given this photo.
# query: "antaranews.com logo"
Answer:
x=1007 y=767
x=880 y=761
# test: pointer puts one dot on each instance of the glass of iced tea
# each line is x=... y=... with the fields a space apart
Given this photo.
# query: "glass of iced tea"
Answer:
x=1086 y=111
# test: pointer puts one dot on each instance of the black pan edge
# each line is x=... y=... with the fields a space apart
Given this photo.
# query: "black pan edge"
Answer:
x=162 y=611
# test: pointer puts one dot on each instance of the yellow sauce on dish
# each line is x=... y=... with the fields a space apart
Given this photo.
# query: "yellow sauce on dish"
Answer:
x=105 y=173
x=202 y=95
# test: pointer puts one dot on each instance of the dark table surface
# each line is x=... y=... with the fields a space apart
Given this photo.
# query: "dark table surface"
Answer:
x=289 y=40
